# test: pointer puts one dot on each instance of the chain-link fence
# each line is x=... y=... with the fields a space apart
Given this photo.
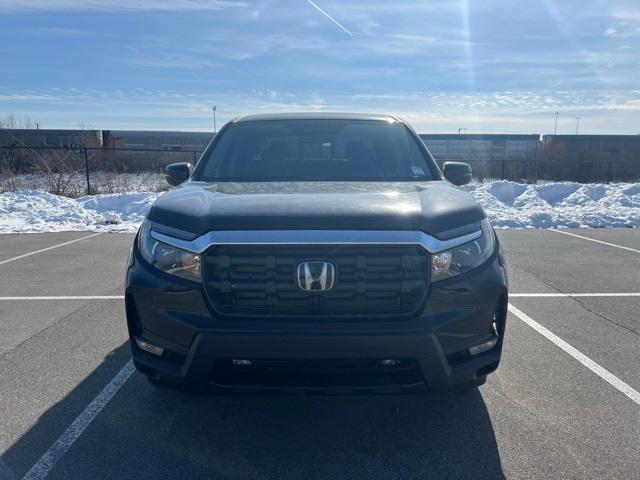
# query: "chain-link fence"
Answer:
x=80 y=171
x=86 y=171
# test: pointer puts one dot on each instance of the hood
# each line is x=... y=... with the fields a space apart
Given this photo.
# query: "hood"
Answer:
x=431 y=207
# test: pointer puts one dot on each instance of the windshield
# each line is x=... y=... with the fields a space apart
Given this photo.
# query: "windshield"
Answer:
x=314 y=150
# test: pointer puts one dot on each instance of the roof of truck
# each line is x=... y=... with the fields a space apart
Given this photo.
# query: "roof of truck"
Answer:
x=317 y=116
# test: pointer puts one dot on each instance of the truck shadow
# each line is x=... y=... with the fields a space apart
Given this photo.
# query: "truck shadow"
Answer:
x=147 y=432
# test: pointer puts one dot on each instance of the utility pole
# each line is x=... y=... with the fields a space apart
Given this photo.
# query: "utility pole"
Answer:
x=214 y=108
x=555 y=128
x=577 y=124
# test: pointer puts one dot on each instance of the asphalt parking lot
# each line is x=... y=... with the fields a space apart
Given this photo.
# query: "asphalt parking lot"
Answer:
x=563 y=404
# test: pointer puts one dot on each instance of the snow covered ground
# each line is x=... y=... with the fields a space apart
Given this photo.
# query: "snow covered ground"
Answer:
x=559 y=204
x=30 y=211
x=508 y=205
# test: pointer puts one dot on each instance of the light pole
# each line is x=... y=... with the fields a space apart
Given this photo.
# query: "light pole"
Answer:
x=555 y=128
x=214 y=108
x=577 y=124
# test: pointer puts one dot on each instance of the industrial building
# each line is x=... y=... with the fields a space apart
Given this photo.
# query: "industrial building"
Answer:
x=163 y=140
x=25 y=137
x=107 y=139
x=587 y=147
x=466 y=147
x=517 y=157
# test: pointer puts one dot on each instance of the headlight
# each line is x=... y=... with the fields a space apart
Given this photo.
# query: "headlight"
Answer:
x=463 y=258
x=171 y=260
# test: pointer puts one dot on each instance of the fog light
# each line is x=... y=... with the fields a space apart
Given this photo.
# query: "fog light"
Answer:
x=483 y=347
x=240 y=362
x=149 y=347
x=390 y=362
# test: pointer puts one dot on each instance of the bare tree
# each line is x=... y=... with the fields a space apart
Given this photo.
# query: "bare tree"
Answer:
x=60 y=176
x=9 y=120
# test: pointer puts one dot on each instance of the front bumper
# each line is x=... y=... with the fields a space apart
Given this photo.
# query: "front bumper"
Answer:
x=330 y=355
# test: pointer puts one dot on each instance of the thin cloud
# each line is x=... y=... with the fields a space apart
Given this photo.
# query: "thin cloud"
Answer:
x=33 y=6
x=64 y=32
x=329 y=17
x=506 y=111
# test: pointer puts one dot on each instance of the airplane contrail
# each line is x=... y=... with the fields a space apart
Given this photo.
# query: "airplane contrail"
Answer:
x=329 y=17
x=559 y=82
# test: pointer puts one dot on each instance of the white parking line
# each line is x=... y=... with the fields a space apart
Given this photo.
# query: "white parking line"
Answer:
x=578 y=355
x=67 y=297
x=57 y=450
x=572 y=295
x=49 y=248
x=594 y=240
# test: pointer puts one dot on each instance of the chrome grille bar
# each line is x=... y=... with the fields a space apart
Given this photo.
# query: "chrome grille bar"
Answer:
x=315 y=237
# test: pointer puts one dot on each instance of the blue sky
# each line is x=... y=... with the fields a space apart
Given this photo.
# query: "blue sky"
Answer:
x=487 y=66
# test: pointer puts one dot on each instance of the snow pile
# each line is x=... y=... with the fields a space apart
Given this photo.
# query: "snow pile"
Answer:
x=559 y=204
x=508 y=205
x=27 y=211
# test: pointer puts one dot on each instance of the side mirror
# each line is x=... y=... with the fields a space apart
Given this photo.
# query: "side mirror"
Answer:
x=176 y=173
x=457 y=173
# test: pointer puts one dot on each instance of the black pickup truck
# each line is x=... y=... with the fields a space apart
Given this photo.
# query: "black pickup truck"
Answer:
x=316 y=253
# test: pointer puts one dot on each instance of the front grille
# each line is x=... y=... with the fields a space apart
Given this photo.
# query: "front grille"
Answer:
x=370 y=280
